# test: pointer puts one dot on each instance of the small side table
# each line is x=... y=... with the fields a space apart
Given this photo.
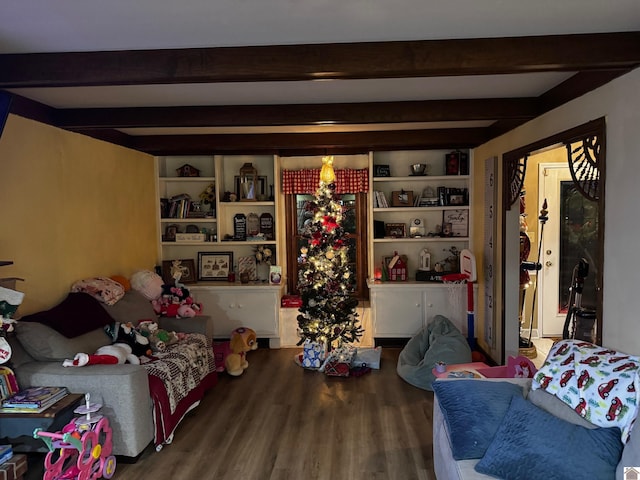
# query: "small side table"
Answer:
x=460 y=367
x=17 y=428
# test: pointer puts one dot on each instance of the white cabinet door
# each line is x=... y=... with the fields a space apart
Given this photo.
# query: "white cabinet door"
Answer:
x=397 y=312
x=449 y=301
x=230 y=308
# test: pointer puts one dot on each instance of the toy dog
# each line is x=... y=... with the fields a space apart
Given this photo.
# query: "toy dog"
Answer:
x=242 y=340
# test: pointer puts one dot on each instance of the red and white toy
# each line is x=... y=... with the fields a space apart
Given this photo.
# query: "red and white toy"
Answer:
x=107 y=355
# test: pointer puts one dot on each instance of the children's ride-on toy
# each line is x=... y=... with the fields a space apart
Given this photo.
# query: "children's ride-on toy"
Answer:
x=82 y=450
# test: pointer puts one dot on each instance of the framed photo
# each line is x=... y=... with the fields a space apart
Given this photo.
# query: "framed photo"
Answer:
x=402 y=198
x=170 y=233
x=456 y=199
x=214 y=265
x=458 y=220
x=262 y=186
x=275 y=274
x=186 y=267
x=381 y=171
x=395 y=230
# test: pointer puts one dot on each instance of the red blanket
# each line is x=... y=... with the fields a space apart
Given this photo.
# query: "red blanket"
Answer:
x=178 y=379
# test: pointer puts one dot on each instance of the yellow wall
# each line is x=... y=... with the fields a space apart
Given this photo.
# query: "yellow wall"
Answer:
x=71 y=207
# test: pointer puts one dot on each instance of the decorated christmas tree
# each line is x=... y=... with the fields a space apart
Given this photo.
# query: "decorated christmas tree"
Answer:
x=328 y=312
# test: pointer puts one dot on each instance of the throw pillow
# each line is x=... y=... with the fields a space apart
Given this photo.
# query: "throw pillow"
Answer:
x=533 y=444
x=602 y=385
x=133 y=307
x=103 y=289
x=473 y=411
x=77 y=314
x=46 y=345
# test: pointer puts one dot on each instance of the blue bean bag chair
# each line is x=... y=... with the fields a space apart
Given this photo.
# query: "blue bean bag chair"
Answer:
x=440 y=340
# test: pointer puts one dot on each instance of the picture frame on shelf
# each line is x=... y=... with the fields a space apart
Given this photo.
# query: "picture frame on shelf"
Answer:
x=458 y=220
x=456 y=199
x=402 y=198
x=187 y=266
x=381 y=171
x=214 y=266
x=170 y=233
x=395 y=230
x=275 y=275
x=262 y=186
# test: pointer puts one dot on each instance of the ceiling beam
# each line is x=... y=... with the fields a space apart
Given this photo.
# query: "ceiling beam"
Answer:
x=283 y=142
x=404 y=59
x=305 y=115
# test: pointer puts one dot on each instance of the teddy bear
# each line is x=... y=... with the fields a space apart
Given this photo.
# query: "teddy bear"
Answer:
x=158 y=338
x=113 y=354
x=232 y=353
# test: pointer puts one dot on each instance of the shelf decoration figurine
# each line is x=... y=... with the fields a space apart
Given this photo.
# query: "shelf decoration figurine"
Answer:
x=248 y=183
x=425 y=260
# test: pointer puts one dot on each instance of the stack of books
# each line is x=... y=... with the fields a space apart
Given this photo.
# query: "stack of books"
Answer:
x=8 y=383
x=6 y=452
x=33 y=400
x=380 y=200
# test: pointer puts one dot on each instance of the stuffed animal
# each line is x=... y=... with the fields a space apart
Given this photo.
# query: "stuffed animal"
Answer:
x=127 y=334
x=158 y=338
x=176 y=302
x=242 y=340
x=148 y=283
x=107 y=355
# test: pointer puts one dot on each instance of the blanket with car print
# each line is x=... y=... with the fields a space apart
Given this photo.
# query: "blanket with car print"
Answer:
x=600 y=384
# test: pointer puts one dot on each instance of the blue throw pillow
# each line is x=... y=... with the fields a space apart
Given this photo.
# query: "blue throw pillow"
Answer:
x=473 y=411
x=534 y=444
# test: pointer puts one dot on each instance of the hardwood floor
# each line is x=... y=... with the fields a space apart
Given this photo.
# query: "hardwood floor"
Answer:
x=280 y=421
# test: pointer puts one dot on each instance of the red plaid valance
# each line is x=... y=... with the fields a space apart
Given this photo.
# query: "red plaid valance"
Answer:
x=306 y=181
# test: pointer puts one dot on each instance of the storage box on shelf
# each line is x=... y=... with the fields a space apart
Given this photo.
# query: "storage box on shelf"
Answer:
x=408 y=213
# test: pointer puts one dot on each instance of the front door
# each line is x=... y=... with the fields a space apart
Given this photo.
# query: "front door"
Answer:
x=570 y=235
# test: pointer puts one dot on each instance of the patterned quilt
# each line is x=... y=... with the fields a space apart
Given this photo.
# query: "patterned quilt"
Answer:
x=178 y=378
x=601 y=385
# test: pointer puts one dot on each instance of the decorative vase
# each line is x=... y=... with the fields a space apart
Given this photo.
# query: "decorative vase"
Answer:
x=262 y=271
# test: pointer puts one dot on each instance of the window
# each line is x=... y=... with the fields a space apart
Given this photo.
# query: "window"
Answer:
x=354 y=221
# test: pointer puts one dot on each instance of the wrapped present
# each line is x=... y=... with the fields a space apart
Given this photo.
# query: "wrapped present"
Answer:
x=368 y=357
x=338 y=363
x=312 y=354
x=335 y=368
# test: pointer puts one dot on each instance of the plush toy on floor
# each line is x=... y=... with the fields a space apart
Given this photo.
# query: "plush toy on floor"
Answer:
x=231 y=354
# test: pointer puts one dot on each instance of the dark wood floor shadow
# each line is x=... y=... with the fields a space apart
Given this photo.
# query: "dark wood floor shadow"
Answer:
x=279 y=421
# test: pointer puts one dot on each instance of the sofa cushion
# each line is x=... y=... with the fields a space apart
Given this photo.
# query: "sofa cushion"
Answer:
x=45 y=344
x=473 y=411
x=77 y=314
x=103 y=289
x=534 y=444
x=132 y=307
x=556 y=407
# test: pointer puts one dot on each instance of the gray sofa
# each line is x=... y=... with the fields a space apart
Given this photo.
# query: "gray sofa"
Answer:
x=123 y=390
x=447 y=468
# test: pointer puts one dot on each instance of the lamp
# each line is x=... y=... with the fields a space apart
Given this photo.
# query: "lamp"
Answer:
x=248 y=182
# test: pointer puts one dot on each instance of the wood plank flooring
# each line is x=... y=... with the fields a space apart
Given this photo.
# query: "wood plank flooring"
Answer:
x=279 y=421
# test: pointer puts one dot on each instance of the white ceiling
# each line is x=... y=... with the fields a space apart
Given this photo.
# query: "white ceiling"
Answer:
x=28 y=26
